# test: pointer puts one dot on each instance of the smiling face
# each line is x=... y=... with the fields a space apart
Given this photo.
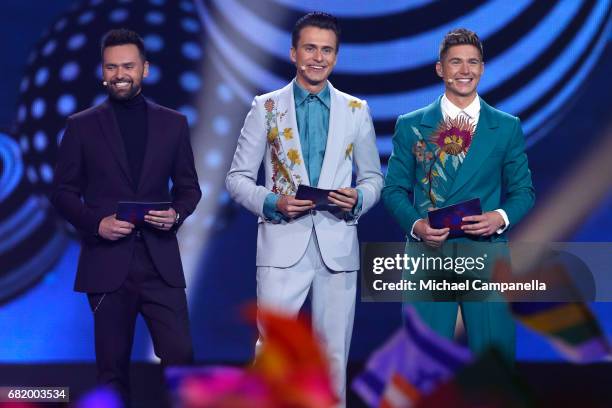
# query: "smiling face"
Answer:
x=315 y=57
x=123 y=68
x=461 y=68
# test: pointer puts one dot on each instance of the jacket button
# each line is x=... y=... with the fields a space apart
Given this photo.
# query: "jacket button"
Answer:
x=313 y=212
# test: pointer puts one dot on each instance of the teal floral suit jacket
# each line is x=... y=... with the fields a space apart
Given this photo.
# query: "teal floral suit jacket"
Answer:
x=425 y=173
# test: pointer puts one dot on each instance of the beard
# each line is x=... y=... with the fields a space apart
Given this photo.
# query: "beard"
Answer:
x=123 y=94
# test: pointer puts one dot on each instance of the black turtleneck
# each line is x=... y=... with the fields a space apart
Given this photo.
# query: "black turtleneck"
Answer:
x=131 y=117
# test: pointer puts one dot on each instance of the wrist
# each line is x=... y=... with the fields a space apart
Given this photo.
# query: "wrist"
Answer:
x=418 y=226
x=501 y=222
x=278 y=199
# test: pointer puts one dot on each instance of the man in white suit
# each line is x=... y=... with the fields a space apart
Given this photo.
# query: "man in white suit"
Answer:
x=309 y=133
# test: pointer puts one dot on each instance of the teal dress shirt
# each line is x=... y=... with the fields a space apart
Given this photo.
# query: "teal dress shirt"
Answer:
x=312 y=116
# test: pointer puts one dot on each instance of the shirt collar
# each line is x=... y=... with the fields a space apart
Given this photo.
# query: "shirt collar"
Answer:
x=300 y=94
x=451 y=110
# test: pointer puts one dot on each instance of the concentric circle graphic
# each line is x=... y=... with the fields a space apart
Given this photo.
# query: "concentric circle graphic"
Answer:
x=537 y=53
x=64 y=77
x=31 y=241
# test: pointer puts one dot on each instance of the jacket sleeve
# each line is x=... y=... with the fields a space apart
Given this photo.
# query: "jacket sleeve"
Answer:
x=69 y=179
x=516 y=178
x=369 y=177
x=186 y=191
x=400 y=179
x=241 y=180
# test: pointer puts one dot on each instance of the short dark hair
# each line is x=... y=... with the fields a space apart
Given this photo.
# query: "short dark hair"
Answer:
x=123 y=36
x=460 y=36
x=318 y=19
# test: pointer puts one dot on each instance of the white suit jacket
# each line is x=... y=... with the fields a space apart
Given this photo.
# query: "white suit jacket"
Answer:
x=270 y=134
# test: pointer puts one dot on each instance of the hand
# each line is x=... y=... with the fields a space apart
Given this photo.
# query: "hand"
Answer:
x=345 y=198
x=291 y=207
x=112 y=229
x=162 y=220
x=483 y=225
x=431 y=236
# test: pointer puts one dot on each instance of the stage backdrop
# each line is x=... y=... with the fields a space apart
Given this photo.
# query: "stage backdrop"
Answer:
x=546 y=61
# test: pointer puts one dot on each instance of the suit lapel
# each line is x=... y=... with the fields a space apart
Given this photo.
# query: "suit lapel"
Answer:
x=110 y=130
x=155 y=136
x=431 y=118
x=483 y=142
x=429 y=123
x=335 y=138
x=288 y=134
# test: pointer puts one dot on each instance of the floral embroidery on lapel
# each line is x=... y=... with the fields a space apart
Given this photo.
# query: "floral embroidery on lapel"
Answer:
x=452 y=138
x=294 y=156
x=355 y=104
x=418 y=149
x=288 y=133
x=424 y=158
x=348 y=152
x=272 y=134
x=269 y=105
x=282 y=177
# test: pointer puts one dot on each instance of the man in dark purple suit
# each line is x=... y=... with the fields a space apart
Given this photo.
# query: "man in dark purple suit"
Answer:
x=128 y=149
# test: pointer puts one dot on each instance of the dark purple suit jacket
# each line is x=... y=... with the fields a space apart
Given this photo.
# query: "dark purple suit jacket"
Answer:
x=92 y=174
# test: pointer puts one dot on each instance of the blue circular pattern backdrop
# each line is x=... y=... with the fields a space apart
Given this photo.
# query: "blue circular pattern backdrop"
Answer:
x=537 y=56
x=537 y=53
x=64 y=73
x=63 y=76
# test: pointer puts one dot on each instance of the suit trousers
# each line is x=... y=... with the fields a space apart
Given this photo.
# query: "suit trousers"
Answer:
x=333 y=304
x=164 y=309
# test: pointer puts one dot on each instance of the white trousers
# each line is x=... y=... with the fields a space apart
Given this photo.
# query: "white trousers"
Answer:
x=333 y=304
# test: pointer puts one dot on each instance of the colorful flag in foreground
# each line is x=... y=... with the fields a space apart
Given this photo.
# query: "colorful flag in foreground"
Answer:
x=571 y=327
x=292 y=363
x=100 y=397
x=216 y=387
x=22 y=405
x=411 y=364
x=290 y=371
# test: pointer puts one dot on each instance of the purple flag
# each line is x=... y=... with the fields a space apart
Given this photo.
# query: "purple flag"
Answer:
x=417 y=354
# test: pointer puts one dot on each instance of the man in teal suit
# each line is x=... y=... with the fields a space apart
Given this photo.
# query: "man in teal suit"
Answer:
x=453 y=150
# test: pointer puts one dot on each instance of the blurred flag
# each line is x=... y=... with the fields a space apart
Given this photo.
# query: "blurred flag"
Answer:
x=100 y=397
x=290 y=371
x=216 y=387
x=292 y=363
x=571 y=327
x=411 y=364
